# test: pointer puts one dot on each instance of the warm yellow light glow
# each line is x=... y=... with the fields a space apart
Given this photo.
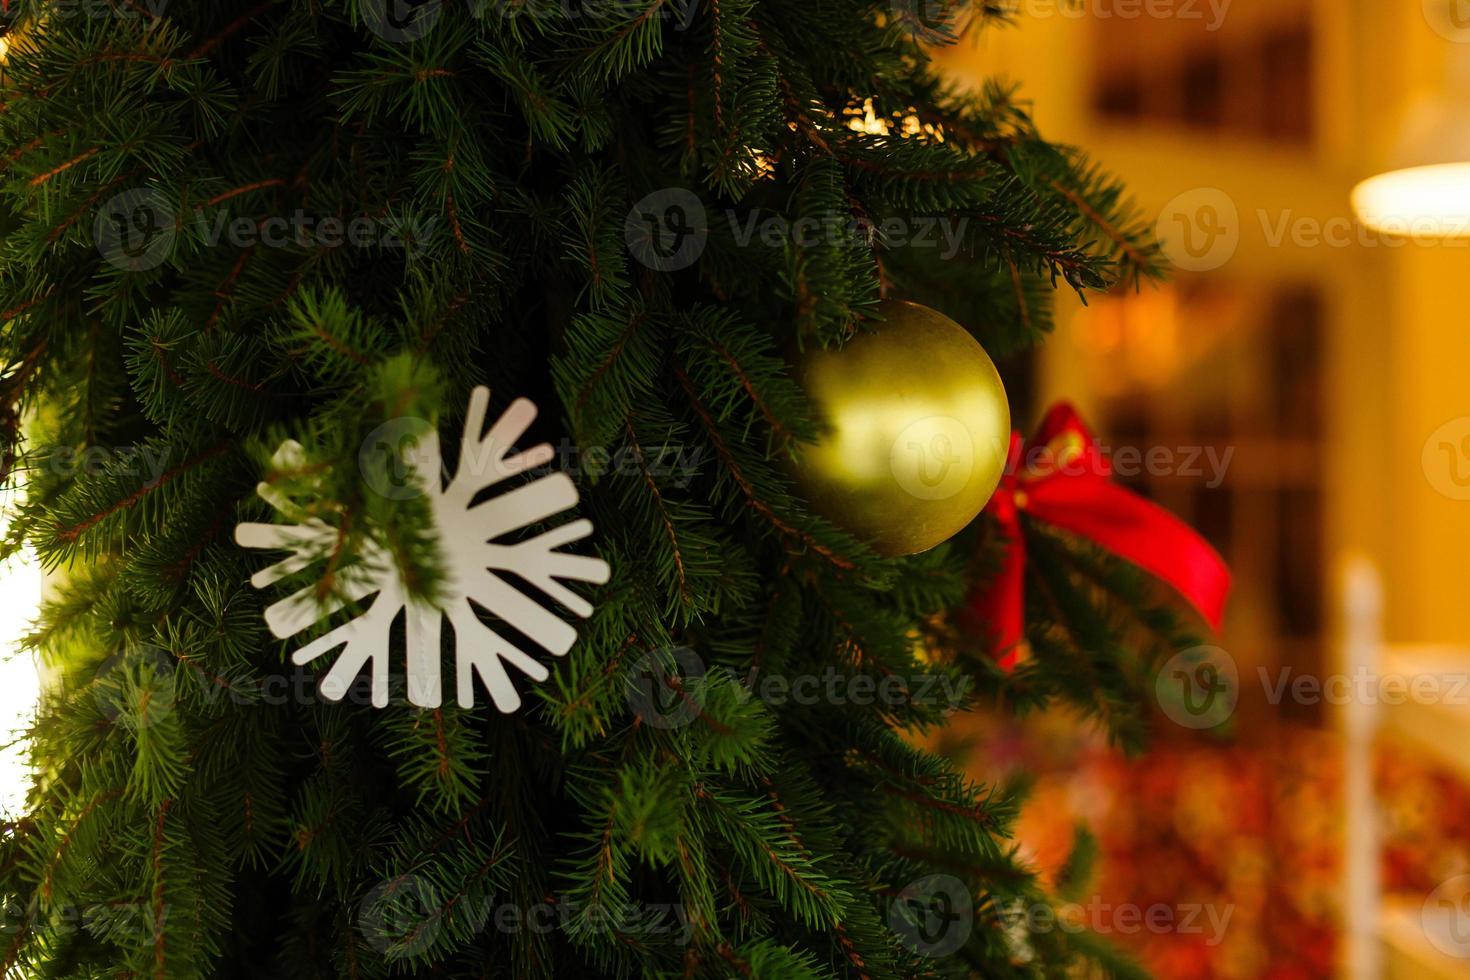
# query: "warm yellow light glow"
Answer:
x=1419 y=202
x=20 y=686
x=866 y=120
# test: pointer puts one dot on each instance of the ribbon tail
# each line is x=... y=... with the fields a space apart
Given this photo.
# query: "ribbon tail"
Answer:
x=1000 y=609
x=1138 y=531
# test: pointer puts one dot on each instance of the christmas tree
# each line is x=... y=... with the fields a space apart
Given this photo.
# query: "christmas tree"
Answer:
x=259 y=255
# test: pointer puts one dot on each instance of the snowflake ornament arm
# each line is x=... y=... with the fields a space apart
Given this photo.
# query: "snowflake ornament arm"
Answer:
x=468 y=525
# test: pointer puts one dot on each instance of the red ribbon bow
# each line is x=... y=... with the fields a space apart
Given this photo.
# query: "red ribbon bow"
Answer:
x=1070 y=487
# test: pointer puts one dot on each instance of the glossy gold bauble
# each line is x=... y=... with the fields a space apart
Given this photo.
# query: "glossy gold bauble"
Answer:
x=917 y=429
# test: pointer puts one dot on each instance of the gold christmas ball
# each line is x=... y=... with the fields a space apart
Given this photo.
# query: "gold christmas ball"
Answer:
x=917 y=430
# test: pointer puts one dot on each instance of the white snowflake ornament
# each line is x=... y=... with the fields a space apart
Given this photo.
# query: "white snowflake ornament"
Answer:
x=467 y=531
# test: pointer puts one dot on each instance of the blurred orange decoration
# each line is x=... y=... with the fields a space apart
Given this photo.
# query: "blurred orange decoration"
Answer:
x=1424 y=820
x=1240 y=845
